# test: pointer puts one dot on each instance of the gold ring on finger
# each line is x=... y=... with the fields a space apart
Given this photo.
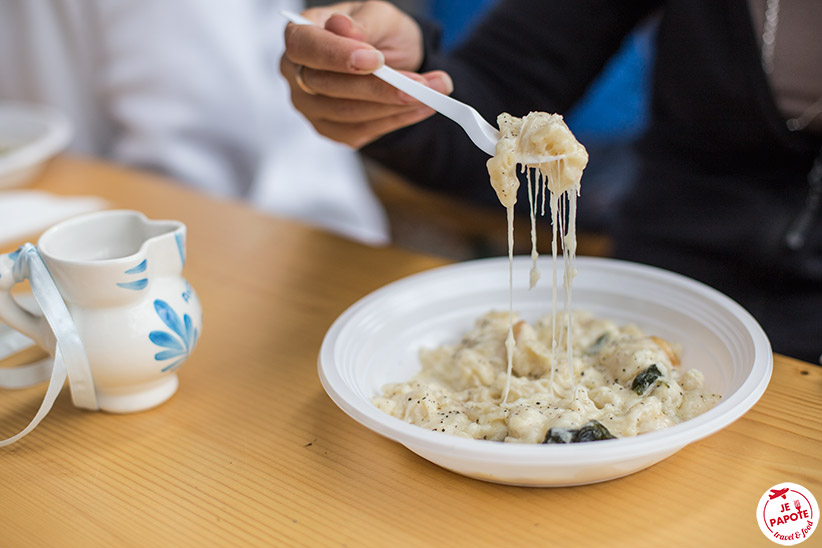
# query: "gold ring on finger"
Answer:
x=298 y=76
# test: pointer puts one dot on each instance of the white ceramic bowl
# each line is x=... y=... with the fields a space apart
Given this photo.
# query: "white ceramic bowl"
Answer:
x=29 y=135
x=377 y=339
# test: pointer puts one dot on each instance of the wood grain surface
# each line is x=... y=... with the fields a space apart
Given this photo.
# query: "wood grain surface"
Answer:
x=251 y=452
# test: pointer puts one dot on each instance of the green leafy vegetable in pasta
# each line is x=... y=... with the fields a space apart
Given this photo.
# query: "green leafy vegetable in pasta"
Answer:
x=646 y=379
x=590 y=431
x=598 y=344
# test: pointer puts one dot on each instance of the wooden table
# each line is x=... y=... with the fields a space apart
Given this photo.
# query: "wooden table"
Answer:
x=251 y=452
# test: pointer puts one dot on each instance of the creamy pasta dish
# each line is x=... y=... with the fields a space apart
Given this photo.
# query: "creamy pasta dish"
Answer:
x=569 y=377
x=624 y=383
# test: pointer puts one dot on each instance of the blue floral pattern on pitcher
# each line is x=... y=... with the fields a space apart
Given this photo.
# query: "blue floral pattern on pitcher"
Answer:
x=181 y=246
x=187 y=294
x=136 y=285
x=178 y=343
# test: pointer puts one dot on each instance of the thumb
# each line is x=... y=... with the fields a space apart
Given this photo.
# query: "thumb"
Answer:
x=439 y=81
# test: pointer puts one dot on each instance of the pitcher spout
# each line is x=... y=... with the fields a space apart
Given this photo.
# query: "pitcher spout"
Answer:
x=112 y=256
x=166 y=251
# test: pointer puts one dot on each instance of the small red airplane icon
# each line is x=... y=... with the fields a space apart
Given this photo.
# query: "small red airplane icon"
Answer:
x=775 y=493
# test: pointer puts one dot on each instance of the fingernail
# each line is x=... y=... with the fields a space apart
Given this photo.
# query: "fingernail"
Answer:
x=441 y=83
x=341 y=14
x=336 y=18
x=367 y=59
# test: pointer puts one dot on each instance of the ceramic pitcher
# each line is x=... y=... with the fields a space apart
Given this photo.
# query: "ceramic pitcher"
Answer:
x=132 y=318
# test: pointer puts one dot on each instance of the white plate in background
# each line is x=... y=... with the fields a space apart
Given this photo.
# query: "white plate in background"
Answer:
x=29 y=135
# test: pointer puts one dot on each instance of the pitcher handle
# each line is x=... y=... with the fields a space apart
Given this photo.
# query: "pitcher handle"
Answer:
x=27 y=323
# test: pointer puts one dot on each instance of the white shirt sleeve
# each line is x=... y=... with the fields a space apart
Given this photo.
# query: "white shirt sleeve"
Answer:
x=185 y=85
x=190 y=89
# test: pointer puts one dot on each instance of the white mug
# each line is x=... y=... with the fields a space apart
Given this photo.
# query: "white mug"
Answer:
x=132 y=318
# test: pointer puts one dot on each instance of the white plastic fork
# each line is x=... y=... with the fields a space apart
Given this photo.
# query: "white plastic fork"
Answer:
x=481 y=133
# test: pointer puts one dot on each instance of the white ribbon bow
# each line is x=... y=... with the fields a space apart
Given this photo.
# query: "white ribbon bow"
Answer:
x=70 y=358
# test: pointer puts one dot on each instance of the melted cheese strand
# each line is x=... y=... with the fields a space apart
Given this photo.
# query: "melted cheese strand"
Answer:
x=569 y=245
x=534 y=275
x=567 y=259
x=554 y=335
x=509 y=340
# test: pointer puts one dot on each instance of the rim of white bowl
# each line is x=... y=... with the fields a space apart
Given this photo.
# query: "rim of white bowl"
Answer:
x=670 y=439
x=57 y=135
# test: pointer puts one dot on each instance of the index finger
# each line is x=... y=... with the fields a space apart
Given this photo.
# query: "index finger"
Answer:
x=317 y=48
